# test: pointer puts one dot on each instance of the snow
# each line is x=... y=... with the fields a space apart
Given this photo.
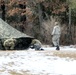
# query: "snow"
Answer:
x=34 y=62
x=70 y=48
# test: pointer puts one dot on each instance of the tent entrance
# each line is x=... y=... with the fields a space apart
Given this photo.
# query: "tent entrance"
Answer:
x=7 y=31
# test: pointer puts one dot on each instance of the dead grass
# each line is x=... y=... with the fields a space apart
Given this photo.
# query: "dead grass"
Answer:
x=70 y=54
x=65 y=54
x=2 y=70
x=16 y=73
x=62 y=54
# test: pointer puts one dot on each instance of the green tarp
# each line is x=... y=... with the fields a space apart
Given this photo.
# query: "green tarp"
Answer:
x=7 y=31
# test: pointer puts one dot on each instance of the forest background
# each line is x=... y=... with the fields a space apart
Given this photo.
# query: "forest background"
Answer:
x=37 y=18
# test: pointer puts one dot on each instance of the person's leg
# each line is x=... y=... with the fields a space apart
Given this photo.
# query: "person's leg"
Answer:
x=12 y=46
x=6 y=48
x=37 y=47
x=57 y=41
x=54 y=40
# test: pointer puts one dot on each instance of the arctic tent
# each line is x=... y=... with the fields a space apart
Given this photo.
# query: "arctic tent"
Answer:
x=7 y=31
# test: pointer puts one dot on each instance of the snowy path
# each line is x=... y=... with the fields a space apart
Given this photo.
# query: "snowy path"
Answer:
x=31 y=62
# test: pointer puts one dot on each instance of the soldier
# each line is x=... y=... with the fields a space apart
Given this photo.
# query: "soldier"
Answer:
x=9 y=43
x=56 y=35
x=36 y=44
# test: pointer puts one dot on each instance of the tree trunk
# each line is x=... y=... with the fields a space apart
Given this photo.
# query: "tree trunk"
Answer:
x=40 y=15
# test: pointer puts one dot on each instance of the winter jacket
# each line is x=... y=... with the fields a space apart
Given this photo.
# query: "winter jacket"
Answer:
x=36 y=42
x=56 y=30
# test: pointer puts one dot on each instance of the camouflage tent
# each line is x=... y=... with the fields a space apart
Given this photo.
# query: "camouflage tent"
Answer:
x=7 y=31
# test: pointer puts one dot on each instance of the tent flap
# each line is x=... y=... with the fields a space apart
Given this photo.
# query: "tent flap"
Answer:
x=7 y=31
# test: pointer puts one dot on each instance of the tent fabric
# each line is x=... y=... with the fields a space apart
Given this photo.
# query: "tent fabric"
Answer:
x=7 y=31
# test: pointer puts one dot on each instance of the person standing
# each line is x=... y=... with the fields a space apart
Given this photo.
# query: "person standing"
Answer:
x=56 y=35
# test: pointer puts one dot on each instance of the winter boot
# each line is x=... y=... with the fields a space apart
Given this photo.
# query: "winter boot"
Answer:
x=42 y=49
x=39 y=49
x=57 y=48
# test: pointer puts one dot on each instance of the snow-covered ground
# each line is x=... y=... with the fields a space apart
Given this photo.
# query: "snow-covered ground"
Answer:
x=31 y=62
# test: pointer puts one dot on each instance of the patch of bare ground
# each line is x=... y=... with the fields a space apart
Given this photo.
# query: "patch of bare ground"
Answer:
x=16 y=73
x=12 y=72
x=62 y=54
x=2 y=70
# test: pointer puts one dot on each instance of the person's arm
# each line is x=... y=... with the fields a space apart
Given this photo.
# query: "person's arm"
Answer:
x=53 y=32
